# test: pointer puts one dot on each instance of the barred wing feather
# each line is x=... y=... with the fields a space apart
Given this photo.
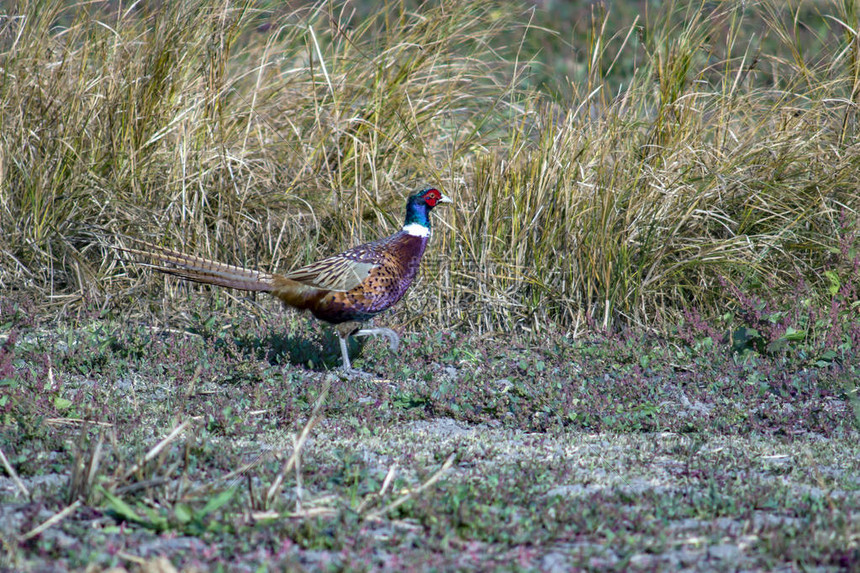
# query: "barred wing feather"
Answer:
x=337 y=273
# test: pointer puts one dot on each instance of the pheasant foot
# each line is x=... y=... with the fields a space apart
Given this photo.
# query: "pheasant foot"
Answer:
x=345 y=330
x=393 y=337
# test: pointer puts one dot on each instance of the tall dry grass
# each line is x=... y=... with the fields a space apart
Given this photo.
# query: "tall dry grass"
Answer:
x=270 y=137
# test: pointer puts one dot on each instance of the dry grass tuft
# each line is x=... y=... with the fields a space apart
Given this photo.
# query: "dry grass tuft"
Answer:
x=690 y=153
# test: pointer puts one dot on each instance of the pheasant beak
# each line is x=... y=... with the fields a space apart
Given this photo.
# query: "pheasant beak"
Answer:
x=445 y=199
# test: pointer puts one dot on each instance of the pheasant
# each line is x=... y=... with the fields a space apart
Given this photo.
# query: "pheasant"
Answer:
x=344 y=290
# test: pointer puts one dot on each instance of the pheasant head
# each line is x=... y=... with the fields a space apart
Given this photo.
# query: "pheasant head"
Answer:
x=418 y=208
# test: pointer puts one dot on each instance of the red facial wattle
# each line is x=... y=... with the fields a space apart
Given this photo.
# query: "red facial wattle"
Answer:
x=432 y=197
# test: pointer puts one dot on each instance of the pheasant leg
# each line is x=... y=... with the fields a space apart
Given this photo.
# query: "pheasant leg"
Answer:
x=347 y=368
x=344 y=353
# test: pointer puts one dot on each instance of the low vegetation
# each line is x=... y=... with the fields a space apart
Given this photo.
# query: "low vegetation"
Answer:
x=231 y=450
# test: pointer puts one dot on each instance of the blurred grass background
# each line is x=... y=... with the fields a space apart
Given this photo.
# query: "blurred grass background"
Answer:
x=612 y=163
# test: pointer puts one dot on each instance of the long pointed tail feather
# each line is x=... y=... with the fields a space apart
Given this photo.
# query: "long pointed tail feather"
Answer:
x=198 y=269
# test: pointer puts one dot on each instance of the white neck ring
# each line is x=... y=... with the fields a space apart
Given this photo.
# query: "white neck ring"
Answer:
x=416 y=230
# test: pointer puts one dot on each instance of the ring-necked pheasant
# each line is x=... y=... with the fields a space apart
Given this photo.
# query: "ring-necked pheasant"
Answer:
x=344 y=290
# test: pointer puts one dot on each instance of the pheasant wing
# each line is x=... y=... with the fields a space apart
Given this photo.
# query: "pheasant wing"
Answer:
x=336 y=273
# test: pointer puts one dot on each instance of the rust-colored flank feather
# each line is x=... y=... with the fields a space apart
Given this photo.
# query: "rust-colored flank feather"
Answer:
x=345 y=289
